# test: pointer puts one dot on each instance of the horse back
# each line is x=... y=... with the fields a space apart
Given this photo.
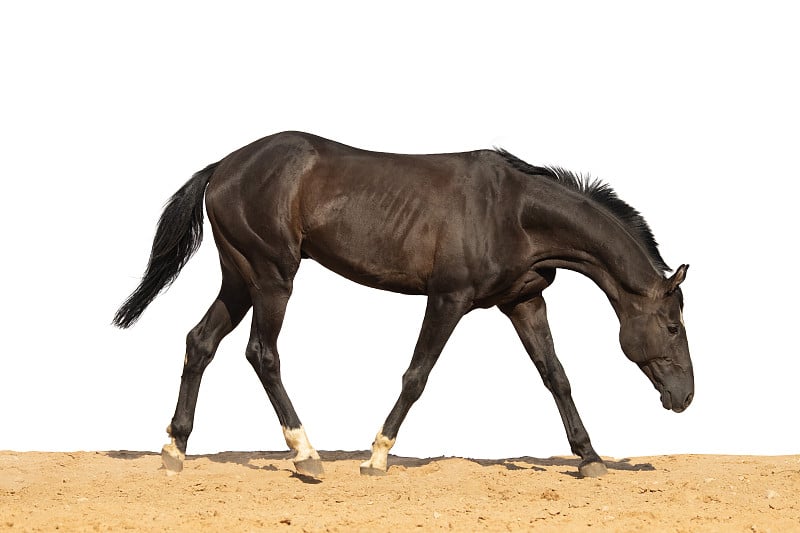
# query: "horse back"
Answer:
x=406 y=223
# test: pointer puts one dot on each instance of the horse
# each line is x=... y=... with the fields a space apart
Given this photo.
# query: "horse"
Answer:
x=468 y=230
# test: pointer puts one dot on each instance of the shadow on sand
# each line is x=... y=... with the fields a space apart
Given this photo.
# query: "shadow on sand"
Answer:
x=127 y=454
x=247 y=459
x=540 y=464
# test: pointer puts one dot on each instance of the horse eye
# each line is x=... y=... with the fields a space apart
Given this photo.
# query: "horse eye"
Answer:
x=673 y=329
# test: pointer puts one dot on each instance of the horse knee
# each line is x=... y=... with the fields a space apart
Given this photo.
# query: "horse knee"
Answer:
x=263 y=359
x=199 y=350
x=413 y=384
x=553 y=375
x=558 y=383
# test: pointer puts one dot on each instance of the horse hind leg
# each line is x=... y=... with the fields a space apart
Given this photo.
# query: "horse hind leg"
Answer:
x=222 y=317
x=269 y=307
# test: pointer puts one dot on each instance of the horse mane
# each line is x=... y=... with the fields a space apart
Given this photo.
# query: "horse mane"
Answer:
x=601 y=193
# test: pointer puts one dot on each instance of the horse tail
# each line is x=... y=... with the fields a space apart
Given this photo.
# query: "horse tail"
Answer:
x=178 y=236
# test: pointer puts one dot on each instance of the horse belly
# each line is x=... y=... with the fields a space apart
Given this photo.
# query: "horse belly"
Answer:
x=385 y=245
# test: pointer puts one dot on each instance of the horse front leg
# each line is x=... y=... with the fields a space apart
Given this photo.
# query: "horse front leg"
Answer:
x=441 y=316
x=530 y=320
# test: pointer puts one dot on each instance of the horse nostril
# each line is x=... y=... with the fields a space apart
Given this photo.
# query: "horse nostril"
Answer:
x=689 y=399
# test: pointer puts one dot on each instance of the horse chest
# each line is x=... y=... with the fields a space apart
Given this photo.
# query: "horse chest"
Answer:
x=529 y=284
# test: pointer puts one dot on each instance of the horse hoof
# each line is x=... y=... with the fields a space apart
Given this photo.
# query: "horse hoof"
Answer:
x=371 y=471
x=593 y=469
x=309 y=467
x=172 y=458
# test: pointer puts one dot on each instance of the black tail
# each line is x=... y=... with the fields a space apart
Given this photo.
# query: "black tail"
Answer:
x=178 y=236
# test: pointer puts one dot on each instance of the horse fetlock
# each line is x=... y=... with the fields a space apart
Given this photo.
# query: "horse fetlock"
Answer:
x=297 y=440
x=378 y=461
x=179 y=434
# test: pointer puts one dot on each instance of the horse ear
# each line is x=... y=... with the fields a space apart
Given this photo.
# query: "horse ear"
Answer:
x=676 y=279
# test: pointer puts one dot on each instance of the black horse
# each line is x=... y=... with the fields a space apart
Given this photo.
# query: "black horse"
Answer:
x=468 y=230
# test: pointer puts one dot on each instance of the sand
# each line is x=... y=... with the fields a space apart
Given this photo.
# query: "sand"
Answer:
x=235 y=491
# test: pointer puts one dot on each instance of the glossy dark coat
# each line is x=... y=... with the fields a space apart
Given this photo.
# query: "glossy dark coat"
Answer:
x=468 y=230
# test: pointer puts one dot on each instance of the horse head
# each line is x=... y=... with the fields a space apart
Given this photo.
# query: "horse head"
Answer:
x=653 y=336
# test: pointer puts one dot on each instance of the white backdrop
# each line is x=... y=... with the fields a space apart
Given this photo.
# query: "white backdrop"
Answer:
x=690 y=112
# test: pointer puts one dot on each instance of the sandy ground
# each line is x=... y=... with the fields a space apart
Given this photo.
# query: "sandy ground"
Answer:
x=102 y=491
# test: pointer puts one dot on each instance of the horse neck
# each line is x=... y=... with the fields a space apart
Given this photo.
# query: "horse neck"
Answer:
x=579 y=235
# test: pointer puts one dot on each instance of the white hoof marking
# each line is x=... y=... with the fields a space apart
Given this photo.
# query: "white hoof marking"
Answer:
x=297 y=440
x=172 y=458
x=380 y=452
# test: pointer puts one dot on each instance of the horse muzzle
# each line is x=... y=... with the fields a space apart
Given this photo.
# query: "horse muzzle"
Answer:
x=677 y=391
x=669 y=403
